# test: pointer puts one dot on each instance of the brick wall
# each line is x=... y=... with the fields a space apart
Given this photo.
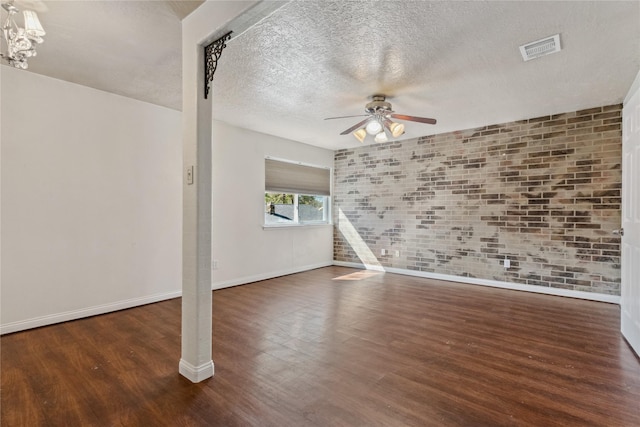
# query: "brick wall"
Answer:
x=545 y=192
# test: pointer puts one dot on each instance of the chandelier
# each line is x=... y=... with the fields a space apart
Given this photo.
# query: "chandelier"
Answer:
x=21 y=42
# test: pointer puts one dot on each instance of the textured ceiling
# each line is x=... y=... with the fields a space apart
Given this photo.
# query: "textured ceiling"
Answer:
x=457 y=62
x=454 y=61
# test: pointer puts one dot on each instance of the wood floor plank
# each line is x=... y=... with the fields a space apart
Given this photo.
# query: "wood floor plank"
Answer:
x=334 y=347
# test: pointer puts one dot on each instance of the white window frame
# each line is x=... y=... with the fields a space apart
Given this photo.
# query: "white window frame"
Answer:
x=327 y=202
x=296 y=222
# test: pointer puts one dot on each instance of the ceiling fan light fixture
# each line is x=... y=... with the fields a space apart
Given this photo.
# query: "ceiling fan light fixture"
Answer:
x=373 y=127
x=396 y=129
x=381 y=137
x=360 y=134
x=378 y=115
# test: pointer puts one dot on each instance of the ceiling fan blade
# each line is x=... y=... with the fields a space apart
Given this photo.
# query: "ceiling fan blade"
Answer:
x=346 y=117
x=356 y=126
x=414 y=119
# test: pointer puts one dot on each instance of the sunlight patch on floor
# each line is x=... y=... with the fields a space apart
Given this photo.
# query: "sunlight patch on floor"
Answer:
x=359 y=275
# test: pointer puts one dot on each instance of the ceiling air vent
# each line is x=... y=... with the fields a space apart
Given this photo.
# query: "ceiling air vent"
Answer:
x=546 y=46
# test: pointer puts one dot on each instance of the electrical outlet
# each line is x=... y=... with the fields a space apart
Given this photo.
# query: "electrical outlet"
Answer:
x=214 y=264
x=383 y=251
x=507 y=263
x=397 y=254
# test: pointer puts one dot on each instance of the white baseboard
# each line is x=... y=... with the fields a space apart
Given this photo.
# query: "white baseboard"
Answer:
x=84 y=312
x=195 y=374
x=134 y=302
x=265 y=276
x=614 y=299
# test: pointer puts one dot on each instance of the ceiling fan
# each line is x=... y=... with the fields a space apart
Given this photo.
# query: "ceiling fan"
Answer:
x=378 y=121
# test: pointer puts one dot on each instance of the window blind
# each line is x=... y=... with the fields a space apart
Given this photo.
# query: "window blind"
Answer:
x=284 y=177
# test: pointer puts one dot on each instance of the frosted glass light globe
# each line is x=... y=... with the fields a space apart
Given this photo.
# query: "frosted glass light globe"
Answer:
x=373 y=127
x=381 y=137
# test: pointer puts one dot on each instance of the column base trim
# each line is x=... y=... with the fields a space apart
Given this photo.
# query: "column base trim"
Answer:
x=196 y=374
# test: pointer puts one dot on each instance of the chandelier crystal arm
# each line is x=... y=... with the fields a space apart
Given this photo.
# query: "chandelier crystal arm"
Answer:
x=9 y=26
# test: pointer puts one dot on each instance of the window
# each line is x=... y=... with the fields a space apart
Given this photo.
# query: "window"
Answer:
x=296 y=193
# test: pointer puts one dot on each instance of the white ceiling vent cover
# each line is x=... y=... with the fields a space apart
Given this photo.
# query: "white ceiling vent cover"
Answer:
x=538 y=48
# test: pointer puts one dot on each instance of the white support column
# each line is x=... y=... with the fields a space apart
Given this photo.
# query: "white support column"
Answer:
x=196 y=362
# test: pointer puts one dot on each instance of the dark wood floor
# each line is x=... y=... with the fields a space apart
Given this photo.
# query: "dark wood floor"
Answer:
x=331 y=347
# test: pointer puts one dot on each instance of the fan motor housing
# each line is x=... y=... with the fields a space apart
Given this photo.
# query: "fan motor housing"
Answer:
x=378 y=105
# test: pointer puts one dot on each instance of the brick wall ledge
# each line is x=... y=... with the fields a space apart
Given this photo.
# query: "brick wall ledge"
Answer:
x=613 y=299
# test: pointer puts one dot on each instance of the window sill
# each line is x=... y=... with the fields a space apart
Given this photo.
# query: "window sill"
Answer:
x=307 y=225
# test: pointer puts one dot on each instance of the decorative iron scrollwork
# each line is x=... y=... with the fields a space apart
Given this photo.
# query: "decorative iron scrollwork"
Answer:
x=212 y=54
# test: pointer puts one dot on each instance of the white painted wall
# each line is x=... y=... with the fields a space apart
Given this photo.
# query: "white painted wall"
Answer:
x=91 y=201
x=244 y=250
x=91 y=212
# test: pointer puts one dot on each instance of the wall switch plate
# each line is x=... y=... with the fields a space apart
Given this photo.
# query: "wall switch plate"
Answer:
x=383 y=251
x=397 y=253
x=190 y=175
x=214 y=264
